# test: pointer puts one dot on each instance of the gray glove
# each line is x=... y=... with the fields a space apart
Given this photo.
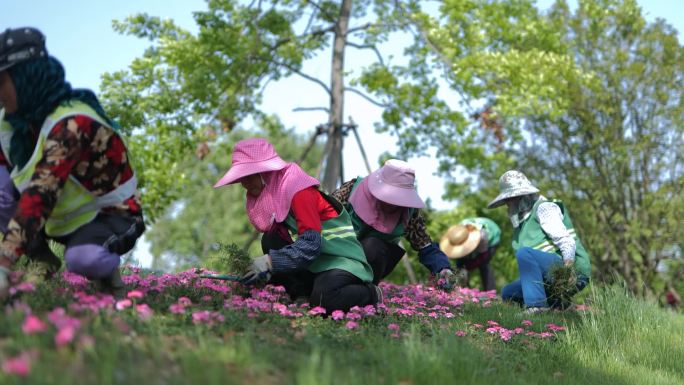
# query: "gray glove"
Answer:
x=259 y=271
x=4 y=282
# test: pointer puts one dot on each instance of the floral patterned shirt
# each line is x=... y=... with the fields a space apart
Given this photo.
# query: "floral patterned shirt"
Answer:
x=416 y=231
x=83 y=148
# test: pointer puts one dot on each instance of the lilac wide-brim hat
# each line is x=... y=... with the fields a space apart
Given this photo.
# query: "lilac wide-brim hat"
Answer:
x=251 y=156
x=395 y=183
x=512 y=184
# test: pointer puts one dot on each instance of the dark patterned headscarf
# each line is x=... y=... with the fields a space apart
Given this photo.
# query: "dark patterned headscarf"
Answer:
x=41 y=88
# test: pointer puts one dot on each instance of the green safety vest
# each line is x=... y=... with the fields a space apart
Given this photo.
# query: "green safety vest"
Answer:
x=76 y=206
x=491 y=228
x=339 y=248
x=531 y=234
x=363 y=230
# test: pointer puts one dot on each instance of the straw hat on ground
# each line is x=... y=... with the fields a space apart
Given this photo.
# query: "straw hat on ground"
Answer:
x=460 y=240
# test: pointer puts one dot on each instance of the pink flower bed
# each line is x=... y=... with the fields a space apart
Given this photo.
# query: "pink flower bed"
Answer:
x=215 y=299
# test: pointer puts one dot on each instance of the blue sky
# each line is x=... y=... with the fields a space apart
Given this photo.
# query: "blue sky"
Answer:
x=79 y=33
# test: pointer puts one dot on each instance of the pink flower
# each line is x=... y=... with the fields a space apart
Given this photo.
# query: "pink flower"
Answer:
x=65 y=335
x=184 y=301
x=351 y=325
x=393 y=327
x=526 y=322
x=555 y=328
x=337 y=315
x=492 y=323
x=369 y=310
x=144 y=311
x=33 y=324
x=135 y=294
x=317 y=310
x=19 y=365
x=74 y=279
x=122 y=304
x=25 y=287
x=56 y=314
x=460 y=333
x=177 y=308
x=353 y=316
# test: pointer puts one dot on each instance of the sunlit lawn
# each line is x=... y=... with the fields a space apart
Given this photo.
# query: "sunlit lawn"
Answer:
x=179 y=329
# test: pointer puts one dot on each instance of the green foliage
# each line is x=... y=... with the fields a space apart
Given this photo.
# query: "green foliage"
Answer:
x=588 y=104
x=561 y=285
x=231 y=259
x=184 y=83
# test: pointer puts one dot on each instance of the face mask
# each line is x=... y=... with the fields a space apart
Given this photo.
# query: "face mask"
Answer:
x=519 y=211
x=517 y=219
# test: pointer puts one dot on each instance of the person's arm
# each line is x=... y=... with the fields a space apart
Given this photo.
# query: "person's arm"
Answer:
x=61 y=152
x=343 y=193
x=302 y=252
x=551 y=221
x=428 y=253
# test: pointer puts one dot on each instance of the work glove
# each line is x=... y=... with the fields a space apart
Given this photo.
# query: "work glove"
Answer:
x=259 y=271
x=446 y=279
x=4 y=283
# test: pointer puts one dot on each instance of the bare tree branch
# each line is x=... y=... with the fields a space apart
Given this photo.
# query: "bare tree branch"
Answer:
x=301 y=109
x=308 y=35
x=379 y=104
x=302 y=74
x=359 y=28
x=371 y=47
x=328 y=16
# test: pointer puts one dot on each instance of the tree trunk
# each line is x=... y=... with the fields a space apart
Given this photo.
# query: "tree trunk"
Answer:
x=333 y=164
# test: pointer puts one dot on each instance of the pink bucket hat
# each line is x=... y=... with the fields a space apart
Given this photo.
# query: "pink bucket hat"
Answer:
x=395 y=183
x=251 y=156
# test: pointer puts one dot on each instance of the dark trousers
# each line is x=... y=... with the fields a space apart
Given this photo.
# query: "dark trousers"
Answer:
x=480 y=262
x=332 y=289
x=383 y=256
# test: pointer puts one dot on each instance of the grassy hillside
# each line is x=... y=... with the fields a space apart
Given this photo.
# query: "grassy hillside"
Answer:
x=179 y=329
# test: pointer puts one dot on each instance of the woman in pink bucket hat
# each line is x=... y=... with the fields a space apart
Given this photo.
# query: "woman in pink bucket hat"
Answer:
x=309 y=243
x=384 y=206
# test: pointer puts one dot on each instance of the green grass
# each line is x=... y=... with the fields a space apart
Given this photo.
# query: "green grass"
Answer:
x=619 y=341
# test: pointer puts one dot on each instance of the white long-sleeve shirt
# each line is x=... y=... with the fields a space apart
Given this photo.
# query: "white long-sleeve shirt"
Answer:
x=551 y=221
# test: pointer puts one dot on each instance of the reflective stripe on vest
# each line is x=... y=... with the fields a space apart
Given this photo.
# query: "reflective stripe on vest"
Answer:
x=330 y=234
x=549 y=247
x=76 y=206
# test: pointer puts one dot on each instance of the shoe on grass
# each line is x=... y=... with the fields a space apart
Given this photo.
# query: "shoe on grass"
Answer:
x=112 y=284
x=536 y=310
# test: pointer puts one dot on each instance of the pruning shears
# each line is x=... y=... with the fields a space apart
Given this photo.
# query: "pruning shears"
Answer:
x=223 y=277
